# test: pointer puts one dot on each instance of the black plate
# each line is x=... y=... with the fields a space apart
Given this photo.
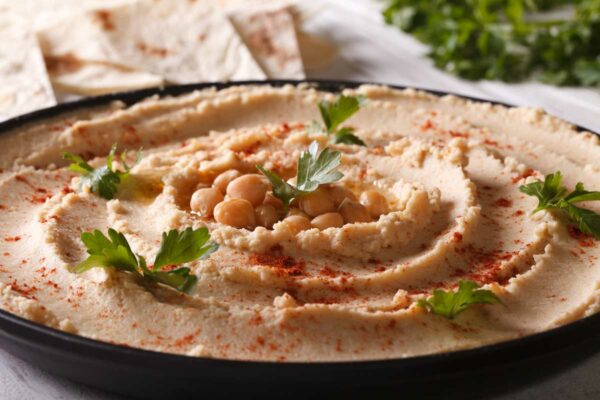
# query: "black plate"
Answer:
x=148 y=374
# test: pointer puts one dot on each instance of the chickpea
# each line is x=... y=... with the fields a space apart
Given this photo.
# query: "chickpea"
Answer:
x=271 y=200
x=339 y=193
x=317 y=203
x=353 y=212
x=204 y=201
x=297 y=223
x=251 y=187
x=375 y=202
x=329 y=220
x=297 y=211
x=223 y=179
x=266 y=215
x=238 y=213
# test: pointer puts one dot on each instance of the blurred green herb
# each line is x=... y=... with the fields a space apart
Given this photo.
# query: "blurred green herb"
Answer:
x=509 y=40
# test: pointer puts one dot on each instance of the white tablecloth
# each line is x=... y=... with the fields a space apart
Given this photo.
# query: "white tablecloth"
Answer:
x=371 y=51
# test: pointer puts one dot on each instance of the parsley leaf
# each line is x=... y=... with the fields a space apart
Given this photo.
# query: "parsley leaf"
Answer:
x=183 y=247
x=580 y=194
x=449 y=304
x=181 y=279
x=587 y=220
x=281 y=189
x=113 y=251
x=336 y=113
x=314 y=169
x=176 y=248
x=318 y=168
x=346 y=135
x=103 y=181
x=548 y=192
x=552 y=195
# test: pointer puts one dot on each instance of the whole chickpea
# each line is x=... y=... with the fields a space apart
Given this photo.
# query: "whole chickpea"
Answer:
x=329 y=220
x=297 y=223
x=204 y=200
x=339 y=193
x=317 y=203
x=353 y=211
x=297 y=211
x=202 y=185
x=375 y=202
x=238 y=213
x=271 y=200
x=251 y=187
x=223 y=179
x=266 y=215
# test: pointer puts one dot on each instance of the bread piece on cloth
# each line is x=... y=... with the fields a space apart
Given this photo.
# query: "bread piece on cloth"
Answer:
x=24 y=83
x=44 y=13
x=87 y=78
x=316 y=52
x=270 y=34
x=69 y=74
x=180 y=41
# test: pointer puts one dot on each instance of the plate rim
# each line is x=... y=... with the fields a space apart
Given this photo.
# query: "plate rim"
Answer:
x=560 y=333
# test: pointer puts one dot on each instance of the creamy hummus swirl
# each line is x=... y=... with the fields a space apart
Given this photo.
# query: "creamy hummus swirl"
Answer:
x=449 y=168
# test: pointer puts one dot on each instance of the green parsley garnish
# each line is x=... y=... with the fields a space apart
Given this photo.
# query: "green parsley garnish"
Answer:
x=176 y=248
x=510 y=40
x=334 y=114
x=314 y=168
x=449 y=304
x=103 y=181
x=552 y=195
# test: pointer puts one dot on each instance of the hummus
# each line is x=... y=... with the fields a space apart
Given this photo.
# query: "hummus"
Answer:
x=449 y=169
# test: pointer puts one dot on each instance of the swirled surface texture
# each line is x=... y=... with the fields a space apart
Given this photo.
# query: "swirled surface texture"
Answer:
x=449 y=168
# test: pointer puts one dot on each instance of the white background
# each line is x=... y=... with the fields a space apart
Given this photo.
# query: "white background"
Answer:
x=371 y=51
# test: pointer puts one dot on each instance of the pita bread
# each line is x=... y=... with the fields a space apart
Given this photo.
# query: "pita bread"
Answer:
x=24 y=83
x=182 y=42
x=88 y=72
x=317 y=53
x=71 y=75
x=44 y=13
x=79 y=36
x=270 y=35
